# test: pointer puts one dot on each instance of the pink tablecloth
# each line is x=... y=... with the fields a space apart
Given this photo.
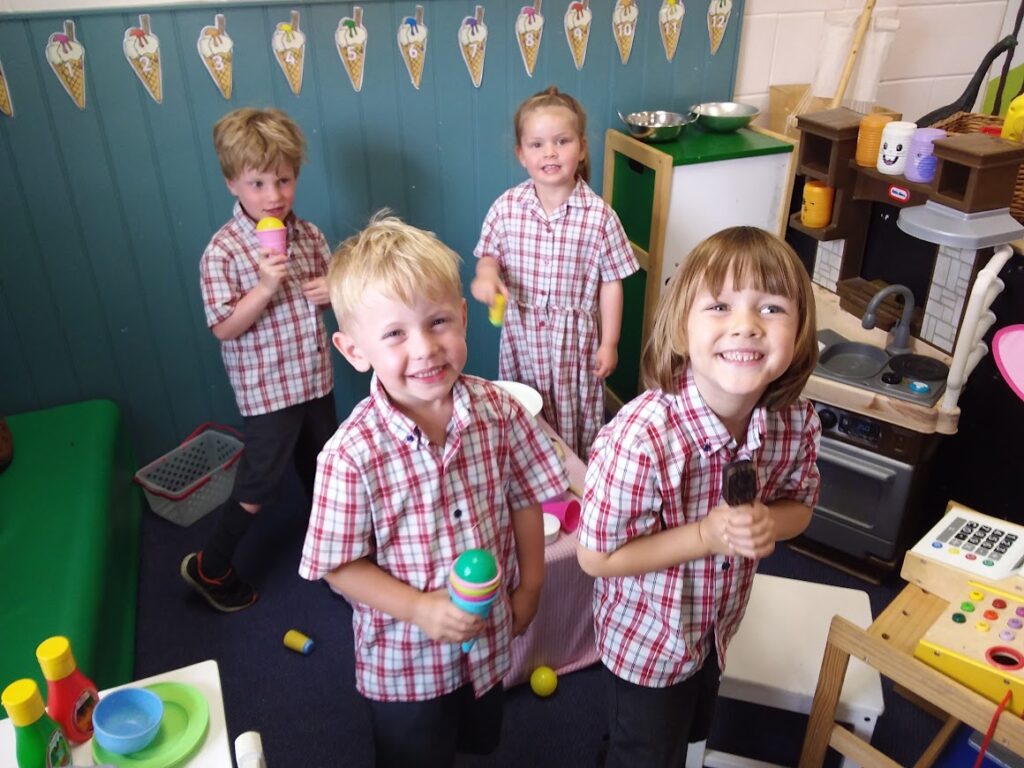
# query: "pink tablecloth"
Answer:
x=562 y=634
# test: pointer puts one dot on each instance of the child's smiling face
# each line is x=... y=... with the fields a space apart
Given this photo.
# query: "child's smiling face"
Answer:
x=738 y=343
x=551 y=147
x=417 y=350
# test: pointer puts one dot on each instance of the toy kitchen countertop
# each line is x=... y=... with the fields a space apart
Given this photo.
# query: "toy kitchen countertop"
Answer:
x=874 y=397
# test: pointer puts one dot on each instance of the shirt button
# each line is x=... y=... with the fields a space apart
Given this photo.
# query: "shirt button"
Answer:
x=457 y=513
x=410 y=438
x=725 y=565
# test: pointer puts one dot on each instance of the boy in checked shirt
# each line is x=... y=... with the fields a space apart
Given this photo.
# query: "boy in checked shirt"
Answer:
x=432 y=463
x=265 y=308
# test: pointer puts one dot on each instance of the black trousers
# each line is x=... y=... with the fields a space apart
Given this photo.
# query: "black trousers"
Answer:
x=428 y=734
x=651 y=727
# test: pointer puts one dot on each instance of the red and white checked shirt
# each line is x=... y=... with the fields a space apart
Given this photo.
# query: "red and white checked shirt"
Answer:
x=666 y=454
x=384 y=492
x=284 y=358
x=553 y=267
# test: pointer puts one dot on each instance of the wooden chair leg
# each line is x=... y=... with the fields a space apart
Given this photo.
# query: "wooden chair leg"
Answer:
x=823 y=708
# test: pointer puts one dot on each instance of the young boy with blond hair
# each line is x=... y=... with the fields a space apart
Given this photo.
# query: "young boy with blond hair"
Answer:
x=434 y=462
x=266 y=310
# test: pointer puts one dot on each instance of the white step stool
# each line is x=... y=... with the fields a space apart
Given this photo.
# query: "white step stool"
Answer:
x=775 y=657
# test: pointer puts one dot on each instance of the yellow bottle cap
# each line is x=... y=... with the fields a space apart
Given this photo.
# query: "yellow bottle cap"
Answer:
x=23 y=702
x=55 y=658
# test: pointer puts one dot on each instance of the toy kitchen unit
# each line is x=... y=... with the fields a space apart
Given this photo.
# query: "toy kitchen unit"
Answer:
x=886 y=399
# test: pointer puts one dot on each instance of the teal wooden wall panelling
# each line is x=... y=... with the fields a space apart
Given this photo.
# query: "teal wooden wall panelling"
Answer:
x=107 y=211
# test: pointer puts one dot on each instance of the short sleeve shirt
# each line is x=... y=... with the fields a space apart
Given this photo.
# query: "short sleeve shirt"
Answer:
x=664 y=456
x=384 y=492
x=283 y=359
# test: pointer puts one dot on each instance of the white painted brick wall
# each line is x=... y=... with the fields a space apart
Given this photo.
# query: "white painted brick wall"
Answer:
x=938 y=47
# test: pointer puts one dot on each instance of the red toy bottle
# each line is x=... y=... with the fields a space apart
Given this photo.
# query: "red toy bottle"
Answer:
x=70 y=695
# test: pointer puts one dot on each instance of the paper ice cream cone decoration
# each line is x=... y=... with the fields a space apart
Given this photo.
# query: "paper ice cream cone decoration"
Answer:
x=529 y=29
x=289 y=44
x=718 y=19
x=670 y=23
x=350 y=38
x=272 y=234
x=577 y=30
x=473 y=44
x=474 y=583
x=66 y=58
x=412 y=40
x=6 y=105
x=624 y=19
x=216 y=50
x=142 y=49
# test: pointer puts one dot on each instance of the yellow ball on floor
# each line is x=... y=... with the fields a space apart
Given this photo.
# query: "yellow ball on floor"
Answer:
x=543 y=681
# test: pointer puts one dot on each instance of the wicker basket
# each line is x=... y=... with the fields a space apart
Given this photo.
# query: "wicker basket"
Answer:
x=972 y=122
x=195 y=478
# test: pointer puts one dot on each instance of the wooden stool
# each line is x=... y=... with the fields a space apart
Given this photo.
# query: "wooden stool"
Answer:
x=775 y=657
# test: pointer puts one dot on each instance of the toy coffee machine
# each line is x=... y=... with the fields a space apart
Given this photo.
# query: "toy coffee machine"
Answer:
x=974 y=562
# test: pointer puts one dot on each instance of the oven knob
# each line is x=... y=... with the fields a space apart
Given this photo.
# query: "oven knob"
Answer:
x=919 y=388
x=890 y=377
x=828 y=418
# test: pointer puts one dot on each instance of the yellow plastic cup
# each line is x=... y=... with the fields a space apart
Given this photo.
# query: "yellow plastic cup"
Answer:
x=496 y=312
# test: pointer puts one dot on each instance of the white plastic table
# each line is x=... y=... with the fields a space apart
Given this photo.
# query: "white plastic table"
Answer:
x=215 y=751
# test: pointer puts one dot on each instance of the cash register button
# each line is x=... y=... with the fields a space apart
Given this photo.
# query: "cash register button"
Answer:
x=959 y=618
x=989 y=563
x=967 y=607
x=1014 y=623
x=1006 y=635
x=999 y=603
x=975 y=595
x=982 y=626
x=991 y=615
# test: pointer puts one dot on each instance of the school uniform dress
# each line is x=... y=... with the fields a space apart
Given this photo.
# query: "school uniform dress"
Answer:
x=664 y=455
x=284 y=358
x=553 y=267
x=384 y=492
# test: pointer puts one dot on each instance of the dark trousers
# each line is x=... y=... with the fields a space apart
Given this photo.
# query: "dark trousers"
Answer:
x=428 y=734
x=651 y=727
x=273 y=440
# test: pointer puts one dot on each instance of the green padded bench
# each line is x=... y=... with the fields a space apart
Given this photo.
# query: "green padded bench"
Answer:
x=70 y=521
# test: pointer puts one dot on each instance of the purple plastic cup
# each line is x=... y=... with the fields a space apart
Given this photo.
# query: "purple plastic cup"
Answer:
x=921 y=160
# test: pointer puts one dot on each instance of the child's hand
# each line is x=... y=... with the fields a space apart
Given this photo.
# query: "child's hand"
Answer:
x=751 y=530
x=524 y=608
x=273 y=270
x=714 y=531
x=443 y=621
x=315 y=291
x=607 y=360
x=486 y=286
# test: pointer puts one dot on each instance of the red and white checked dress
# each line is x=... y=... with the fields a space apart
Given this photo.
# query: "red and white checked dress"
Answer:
x=553 y=267
x=665 y=454
x=284 y=358
x=385 y=493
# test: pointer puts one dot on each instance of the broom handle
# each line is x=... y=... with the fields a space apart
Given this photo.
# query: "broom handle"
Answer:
x=858 y=38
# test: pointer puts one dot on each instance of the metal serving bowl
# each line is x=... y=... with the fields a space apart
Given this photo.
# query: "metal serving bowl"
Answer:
x=723 y=116
x=655 y=126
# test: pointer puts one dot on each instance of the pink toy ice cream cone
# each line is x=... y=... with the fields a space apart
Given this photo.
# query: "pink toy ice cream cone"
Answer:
x=272 y=234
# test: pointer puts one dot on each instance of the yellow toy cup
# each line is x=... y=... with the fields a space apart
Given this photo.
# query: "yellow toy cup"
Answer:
x=496 y=312
x=817 y=208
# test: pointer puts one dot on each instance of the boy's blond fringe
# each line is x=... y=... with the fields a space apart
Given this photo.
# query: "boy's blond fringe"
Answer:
x=257 y=139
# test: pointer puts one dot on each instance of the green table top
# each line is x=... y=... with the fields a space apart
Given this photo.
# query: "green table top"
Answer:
x=696 y=145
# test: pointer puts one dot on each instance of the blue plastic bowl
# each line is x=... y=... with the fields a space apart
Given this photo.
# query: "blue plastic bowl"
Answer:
x=127 y=720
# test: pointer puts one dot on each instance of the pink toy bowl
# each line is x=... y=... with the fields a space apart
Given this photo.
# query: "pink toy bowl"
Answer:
x=567 y=512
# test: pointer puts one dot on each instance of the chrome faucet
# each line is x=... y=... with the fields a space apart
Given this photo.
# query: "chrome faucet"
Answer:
x=899 y=338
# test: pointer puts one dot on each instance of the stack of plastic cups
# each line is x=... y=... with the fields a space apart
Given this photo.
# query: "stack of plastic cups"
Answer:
x=869 y=139
x=473 y=584
x=921 y=162
x=892 y=155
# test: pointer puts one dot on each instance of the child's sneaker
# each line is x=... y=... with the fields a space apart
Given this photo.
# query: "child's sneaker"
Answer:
x=228 y=593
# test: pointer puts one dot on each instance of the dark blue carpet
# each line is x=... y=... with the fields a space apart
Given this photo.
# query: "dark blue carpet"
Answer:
x=306 y=707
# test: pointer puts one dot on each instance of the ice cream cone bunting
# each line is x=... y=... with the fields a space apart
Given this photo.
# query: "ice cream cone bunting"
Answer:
x=578 y=19
x=350 y=38
x=670 y=23
x=473 y=44
x=6 y=105
x=529 y=30
x=718 y=20
x=216 y=49
x=66 y=58
x=142 y=49
x=624 y=18
x=289 y=45
x=412 y=41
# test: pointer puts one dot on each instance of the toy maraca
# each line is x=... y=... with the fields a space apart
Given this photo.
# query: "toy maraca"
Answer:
x=272 y=234
x=473 y=584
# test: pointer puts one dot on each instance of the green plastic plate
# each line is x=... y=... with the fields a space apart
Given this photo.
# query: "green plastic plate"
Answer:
x=182 y=730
